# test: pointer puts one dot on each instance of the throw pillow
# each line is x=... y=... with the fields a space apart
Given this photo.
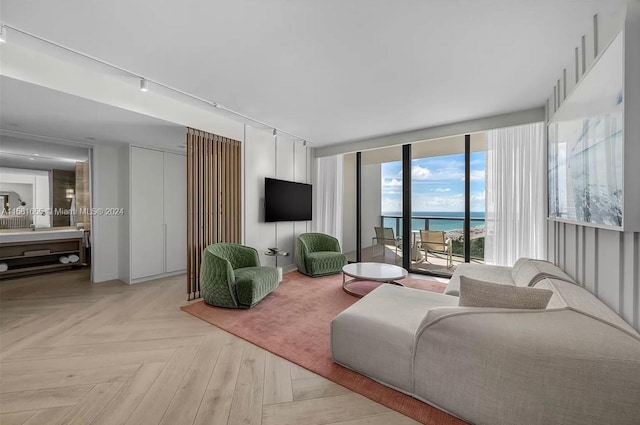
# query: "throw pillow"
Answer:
x=477 y=293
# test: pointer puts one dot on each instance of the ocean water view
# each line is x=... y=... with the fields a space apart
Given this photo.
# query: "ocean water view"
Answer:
x=445 y=221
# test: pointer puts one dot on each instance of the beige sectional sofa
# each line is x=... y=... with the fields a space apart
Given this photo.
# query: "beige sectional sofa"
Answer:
x=575 y=362
x=525 y=272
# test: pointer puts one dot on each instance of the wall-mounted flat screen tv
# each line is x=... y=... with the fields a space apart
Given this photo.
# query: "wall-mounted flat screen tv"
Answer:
x=286 y=201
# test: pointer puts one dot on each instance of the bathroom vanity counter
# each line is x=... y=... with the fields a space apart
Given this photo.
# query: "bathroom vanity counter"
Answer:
x=30 y=252
x=46 y=234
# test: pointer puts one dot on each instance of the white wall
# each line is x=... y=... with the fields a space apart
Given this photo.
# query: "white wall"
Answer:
x=284 y=166
x=302 y=172
x=106 y=185
x=371 y=201
x=603 y=261
x=283 y=158
x=124 y=245
x=259 y=162
x=606 y=262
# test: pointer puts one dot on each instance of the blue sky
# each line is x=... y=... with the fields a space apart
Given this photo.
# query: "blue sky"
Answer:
x=437 y=182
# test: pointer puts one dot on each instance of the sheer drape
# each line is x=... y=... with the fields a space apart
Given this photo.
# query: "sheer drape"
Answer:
x=515 y=207
x=327 y=216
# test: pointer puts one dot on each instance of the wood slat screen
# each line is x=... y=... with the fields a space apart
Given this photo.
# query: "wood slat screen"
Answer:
x=83 y=195
x=213 y=198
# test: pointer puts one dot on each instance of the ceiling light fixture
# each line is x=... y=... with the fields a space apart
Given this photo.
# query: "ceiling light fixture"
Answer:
x=32 y=159
x=144 y=85
x=3 y=34
x=35 y=154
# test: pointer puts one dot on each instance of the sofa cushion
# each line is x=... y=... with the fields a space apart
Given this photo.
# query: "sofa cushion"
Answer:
x=567 y=294
x=375 y=336
x=476 y=293
x=519 y=263
x=494 y=274
x=530 y=271
x=255 y=283
x=325 y=262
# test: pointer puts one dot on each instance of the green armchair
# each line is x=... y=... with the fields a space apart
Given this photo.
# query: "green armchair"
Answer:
x=318 y=254
x=231 y=276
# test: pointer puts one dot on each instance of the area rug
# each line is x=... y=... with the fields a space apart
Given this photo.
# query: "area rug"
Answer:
x=293 y=322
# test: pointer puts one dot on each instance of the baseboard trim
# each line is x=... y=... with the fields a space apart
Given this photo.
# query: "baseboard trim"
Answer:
x=157 y=276
x=104 y=278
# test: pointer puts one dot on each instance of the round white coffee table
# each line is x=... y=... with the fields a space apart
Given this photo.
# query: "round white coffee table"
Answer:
x=377 y=272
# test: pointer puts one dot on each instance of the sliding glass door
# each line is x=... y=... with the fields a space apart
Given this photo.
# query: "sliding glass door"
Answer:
x=434 y=188
x=438 y=205
x=380 y=192
x=440 y=192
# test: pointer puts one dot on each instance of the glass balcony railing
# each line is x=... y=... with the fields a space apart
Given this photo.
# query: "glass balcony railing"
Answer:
x=433 y=261
x=453 y=228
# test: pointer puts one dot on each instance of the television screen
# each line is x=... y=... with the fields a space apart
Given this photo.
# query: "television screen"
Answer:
x=286 y=201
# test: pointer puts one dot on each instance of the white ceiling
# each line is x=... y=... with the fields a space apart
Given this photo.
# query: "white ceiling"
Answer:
x=332 y=71
x=17 y=152
x=30 y=111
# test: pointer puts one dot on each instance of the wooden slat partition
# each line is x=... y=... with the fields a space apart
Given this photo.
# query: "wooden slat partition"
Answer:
x=83 y=195
x=213 y=198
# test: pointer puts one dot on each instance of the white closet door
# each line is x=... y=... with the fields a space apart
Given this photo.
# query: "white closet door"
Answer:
x=147 y=213
x=175 y=211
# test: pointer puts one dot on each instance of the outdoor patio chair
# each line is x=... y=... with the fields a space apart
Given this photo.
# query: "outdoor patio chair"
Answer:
x=385 y=236
x=435 y=241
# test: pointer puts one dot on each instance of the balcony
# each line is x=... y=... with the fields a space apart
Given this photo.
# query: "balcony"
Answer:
x=432 y=262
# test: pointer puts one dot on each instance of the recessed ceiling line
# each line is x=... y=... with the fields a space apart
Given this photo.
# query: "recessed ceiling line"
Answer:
x=39 y=157
x=148 y=80
x=31 y=136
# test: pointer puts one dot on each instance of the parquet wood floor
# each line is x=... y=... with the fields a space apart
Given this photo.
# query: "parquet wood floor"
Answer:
x=72 y=352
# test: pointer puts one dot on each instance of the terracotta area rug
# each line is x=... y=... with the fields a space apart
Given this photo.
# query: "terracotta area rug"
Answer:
x=293 y=322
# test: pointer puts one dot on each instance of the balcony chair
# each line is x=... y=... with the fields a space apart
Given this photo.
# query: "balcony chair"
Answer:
x=385 y=236
x=435 y=241
x=231 y=276
x=318 y=254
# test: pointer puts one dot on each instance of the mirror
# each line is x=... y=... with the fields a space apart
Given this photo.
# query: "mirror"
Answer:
x=12 y=200
x=43 y=185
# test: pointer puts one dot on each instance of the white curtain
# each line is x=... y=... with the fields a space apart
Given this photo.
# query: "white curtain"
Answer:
x=515 y=204
x=327 y=217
